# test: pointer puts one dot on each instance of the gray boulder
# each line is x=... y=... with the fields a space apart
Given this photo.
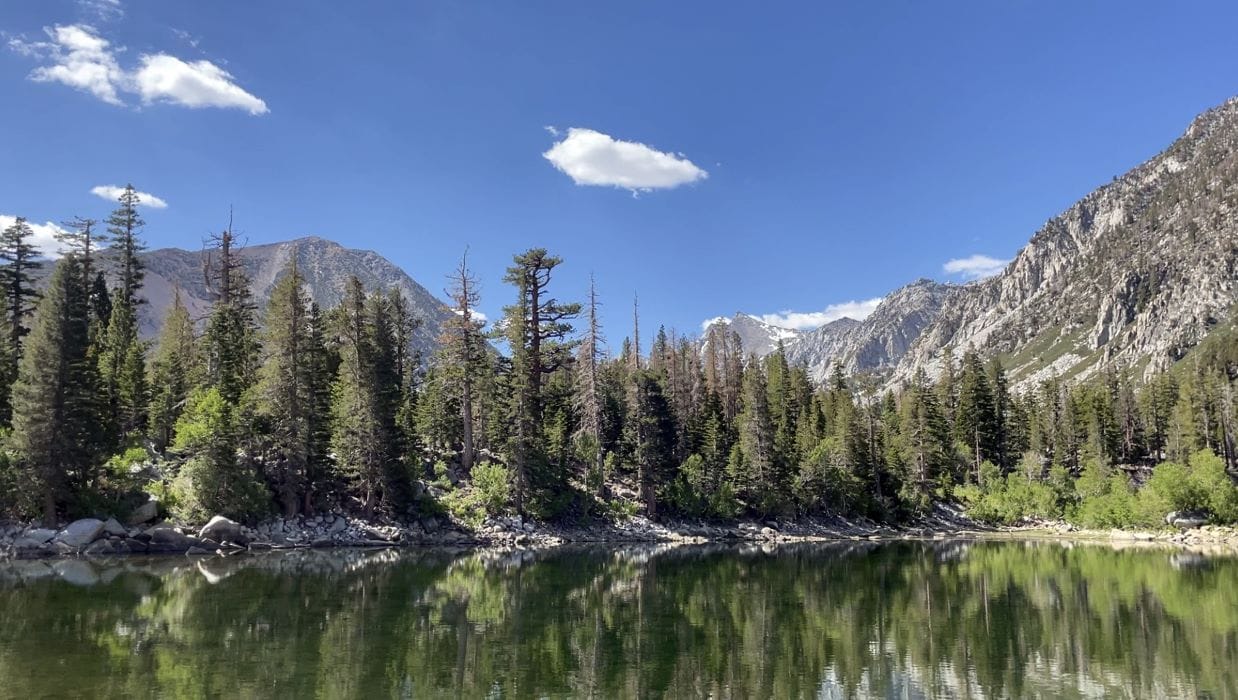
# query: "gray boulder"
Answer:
x=114 y=528
x=144 y=513
x=34 y=538
x=163 y=538
x=1186 y=520
x=80 y=533
x=222 y=529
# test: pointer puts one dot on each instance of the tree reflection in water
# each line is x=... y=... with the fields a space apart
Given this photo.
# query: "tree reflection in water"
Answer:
x=939 y=619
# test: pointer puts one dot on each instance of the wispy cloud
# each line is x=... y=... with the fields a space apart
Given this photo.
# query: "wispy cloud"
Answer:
x=592 y=158
x=44 y=238
x=102 y=9
x=974 y=267
x=77 y=56
x=112 y=193
x=801 y=320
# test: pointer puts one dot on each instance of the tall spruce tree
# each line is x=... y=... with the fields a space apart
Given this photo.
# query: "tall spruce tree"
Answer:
x=20 y=262
x=56 y=413
x=229 y=346
x=171 y=373
x=361 y=429
x=122 y=361
x=290 y=382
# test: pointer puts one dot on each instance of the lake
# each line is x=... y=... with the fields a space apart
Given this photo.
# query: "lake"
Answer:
x=896 y=620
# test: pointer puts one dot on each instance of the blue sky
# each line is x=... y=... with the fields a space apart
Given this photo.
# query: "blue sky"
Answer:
x=779 y=157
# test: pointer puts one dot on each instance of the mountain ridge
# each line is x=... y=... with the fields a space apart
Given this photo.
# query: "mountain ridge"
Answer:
x=1133 y=274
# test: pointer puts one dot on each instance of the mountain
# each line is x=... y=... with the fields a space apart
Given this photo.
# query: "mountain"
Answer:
x=881 y=340
x=326 y=265
x=1134 y=274
x=758 y=337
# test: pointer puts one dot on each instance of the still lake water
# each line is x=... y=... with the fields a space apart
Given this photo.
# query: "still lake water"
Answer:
x=901 y=620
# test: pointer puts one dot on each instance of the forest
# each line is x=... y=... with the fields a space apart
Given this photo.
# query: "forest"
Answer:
x=294 y=409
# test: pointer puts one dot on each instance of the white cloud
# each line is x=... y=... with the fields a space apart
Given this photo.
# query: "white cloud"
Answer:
x=974 y=267
x=164 y=78
x=44 y=235
x=592 y=158
x=477 y=315
x=112 y=193
x=712 y=321
x=78 y=57
x=801 y=320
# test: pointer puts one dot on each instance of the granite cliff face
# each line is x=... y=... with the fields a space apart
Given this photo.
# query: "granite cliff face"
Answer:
x=880 y=341
x=1133 y=275
x=327 y=267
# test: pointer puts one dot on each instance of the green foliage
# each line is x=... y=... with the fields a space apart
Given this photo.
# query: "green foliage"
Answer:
x=488 y=495
x=215 y=479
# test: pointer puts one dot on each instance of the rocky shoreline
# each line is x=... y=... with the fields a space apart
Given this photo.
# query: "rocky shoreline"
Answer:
x=106 y=538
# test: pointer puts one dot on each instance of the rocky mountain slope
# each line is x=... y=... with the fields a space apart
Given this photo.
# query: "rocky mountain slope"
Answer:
x=326 y=265
x=757 y=337
x=1133 y=275
x=880 y=341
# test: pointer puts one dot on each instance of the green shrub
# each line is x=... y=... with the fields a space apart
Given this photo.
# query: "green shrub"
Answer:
x=493 y=484
x=1008 y=499
x=487 y=495
x=1220 y=493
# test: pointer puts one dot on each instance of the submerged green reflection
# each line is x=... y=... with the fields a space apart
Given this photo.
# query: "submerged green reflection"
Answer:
x=954 y=619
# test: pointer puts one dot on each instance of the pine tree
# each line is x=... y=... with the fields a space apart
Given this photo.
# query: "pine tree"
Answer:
x=537 y=327
x=122 y=361
x=756 y=473
x=361 y=434
x=171 y=373
x=464 y=354
x=289 y=384
x=588 y=397
x=56 y=413
x=123 y=227
x=924 y=443
x=975 y=419
x=81 y=239
x=229 y=345
x=122 y=367
x=20 y=263
x=652 y=434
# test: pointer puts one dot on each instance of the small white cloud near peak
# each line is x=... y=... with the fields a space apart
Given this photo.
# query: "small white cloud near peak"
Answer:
x=974 y=267
x=44 y=238
x=716 y=320
x=592 y=158
x=802 y=321
x=112 y=193
x=79 y=57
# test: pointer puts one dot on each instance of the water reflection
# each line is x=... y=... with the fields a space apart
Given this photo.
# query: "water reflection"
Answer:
x=926 y=619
